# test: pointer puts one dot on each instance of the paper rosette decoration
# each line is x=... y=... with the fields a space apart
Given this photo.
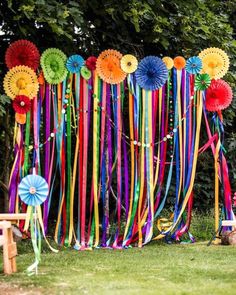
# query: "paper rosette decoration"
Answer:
x=168 y=62
x=53 y=62
x=218 y=96
x=22 y=53
x=20 y=118
x=152 y=73
x=202 y=82
x=85 y=73
x=21 y=104
x=129 y=63
x=108 y=67
x=21 y=80
x=193 y=65
x=33 y=190
x=179 y=62
x=91 y=63
x=215 y=62
x=74 y=63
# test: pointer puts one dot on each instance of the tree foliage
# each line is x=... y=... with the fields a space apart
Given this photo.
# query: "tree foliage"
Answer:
x=158 y=27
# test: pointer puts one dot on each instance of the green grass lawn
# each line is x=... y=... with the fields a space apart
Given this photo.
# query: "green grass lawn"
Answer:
x=158 y=268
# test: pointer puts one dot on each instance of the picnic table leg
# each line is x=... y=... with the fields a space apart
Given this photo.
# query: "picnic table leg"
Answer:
x=6 y=260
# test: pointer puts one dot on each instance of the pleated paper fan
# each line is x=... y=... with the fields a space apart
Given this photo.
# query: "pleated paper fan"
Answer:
x=202 y=82
x=193 y=65
x=215 y=62
x=179 y=62
x=85 y=73
x=21 y=104
x=218 y=96
x=22 y=53
x=152 y=73
x=168 y=62
x=91 y=63
x=53 y=62
x=108 y=67
x=21 y=80
x=33 y=190
x=129 y=63
x=74 y=63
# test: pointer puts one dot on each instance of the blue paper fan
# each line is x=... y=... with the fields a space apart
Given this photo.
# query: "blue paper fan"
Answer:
x=152 y=73
x=194 y=65
x=33 y=190
x=74 y=63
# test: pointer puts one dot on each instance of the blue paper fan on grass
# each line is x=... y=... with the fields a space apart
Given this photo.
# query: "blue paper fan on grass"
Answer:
x=151 y=73
x=33 y=190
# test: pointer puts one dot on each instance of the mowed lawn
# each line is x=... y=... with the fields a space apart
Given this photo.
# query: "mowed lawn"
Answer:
x=157 y=268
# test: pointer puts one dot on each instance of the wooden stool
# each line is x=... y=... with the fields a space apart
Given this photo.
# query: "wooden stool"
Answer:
x=9 y=247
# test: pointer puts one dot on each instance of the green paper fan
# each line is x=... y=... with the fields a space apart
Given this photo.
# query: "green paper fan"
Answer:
x=53 y=63
x=202 y=82
x=85 y=73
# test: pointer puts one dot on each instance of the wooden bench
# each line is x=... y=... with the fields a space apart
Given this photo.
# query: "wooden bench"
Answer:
x=9 y=248
x=13 y=217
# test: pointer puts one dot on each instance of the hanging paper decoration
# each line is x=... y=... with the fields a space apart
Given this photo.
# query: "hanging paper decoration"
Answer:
x=20 y=118
x=108 y=66
x=218 y=95
x=22 y=53
x=85 y=73
x=33 y=190
x=21 y=80
x=53 y=62
x=194 y=65
x=91 y=63
x=129 y=63
x=179 y=62
x=115 y=172
x=202 y=82
x=151 y=73
x=74 y=63
x=215 y=62
x=21 y=104
x=168 y=62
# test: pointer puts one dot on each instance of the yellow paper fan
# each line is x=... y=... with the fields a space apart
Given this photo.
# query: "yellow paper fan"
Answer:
x=168 y=62
x=129 y=63
x=215 y=62
x=21 y=80
x=108 y=67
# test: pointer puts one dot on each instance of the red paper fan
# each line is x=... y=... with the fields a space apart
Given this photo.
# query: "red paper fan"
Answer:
x=218 y=96
x=22 y=52
x=91 y=63
x=21 y=104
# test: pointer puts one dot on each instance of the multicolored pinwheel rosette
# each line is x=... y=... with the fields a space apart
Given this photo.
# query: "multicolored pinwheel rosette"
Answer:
x=219 y=96
x=151 y=73
x=179 y=62
x=21 y=80
x=129 y=63
x=91 y=63
x=108 y=67
x=21 y=104
x=85 y=73
x=53 y=63
x=74 y=63
x=168 y=62
x=202 y=82
x=22 y=53
x=193 y=65
x=215 y=62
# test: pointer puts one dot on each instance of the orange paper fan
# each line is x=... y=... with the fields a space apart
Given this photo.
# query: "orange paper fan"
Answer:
x=179 y=62
x=108 y=67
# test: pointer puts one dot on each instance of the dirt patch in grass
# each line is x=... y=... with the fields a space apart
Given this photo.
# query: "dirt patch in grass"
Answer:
x=12 y=289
